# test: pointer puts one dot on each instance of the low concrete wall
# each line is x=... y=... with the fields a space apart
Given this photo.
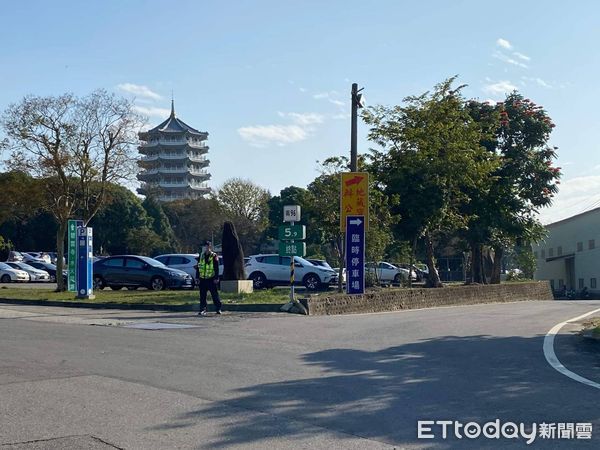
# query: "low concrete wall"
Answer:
x=250 y=307
x=398 y=299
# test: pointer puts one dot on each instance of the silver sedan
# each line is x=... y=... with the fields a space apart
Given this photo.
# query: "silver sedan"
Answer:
x=34 y=274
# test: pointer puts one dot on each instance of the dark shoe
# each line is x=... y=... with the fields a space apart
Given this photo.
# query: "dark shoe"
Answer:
x=202 y=313
x=218 y=312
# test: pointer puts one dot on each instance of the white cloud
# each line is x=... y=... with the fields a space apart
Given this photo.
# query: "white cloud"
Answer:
x=337 y=102
x=328 y=95
x=303 y=125
x=507 y=59
x=503 y=43
x=262 y=135
x=139 y=91
x=303 y=119
x=500 y=87
x=522 y=56
x=575 y=196
x=152 y=111
x=341 y=116
x=539 y=82
x=301 y=89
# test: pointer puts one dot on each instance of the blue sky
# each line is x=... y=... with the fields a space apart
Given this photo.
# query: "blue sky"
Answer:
x=270 y=80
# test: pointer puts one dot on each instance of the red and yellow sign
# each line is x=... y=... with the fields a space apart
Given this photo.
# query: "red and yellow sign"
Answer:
x=354 y=197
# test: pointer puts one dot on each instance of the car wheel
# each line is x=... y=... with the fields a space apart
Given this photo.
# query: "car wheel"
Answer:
x=157 y=284
x=5 y=278
x=52 y=278
x=311 y=282
x=259 y=281
x=99 y=283
x=398 y=279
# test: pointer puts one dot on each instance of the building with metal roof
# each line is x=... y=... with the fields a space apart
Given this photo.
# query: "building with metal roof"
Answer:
x=173 y=161
x=569 y=256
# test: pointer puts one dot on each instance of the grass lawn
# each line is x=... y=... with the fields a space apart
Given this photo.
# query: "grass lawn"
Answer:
x=277 y=296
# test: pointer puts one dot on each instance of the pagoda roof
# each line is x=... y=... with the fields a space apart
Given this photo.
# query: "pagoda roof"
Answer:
x=173 y=125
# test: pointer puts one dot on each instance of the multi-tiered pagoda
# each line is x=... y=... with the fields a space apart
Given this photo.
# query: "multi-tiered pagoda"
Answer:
x=174 y=161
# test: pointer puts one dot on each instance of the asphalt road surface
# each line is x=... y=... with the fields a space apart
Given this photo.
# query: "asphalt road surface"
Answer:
x=76 y=378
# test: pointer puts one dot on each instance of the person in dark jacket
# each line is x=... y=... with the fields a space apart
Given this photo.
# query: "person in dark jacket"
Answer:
x=207 y=271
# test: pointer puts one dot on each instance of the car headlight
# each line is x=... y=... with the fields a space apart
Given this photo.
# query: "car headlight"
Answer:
x=176 y=274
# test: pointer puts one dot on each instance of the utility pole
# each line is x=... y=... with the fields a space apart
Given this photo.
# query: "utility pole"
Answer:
x=357 y=102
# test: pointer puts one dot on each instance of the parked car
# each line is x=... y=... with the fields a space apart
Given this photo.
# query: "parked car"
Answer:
x=134 y=271
x=34 y=273
x=8 y=274
x=185 y=262
x=50 y=268
x=320 y=263
x=386 y=272
x=54 y=257
x=14 y=256
x=272 y=269
x=414 y=272
x=337 y=270
x=423 y=269
x=34 y=257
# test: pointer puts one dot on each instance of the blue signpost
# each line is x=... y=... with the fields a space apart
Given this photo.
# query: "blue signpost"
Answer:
x=84 y=263
x=355 y=254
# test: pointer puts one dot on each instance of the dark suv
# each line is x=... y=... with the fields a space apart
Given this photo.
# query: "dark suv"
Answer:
x=138 y=271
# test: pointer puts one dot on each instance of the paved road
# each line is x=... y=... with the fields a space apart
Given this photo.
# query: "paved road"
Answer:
x=83 y=379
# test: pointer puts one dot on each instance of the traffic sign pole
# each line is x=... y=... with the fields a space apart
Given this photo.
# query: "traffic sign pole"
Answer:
x=288 y=234
x=292 y=275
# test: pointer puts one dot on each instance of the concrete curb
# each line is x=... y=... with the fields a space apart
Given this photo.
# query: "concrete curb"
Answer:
x=257 y=307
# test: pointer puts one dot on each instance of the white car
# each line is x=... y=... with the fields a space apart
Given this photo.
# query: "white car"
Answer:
x=387 y=273
x=185 y=262
x=8 y=274
x=272 y=269
x=34 y=274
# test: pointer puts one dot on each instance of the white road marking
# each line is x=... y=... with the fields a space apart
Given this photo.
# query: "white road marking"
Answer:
x=551 y=355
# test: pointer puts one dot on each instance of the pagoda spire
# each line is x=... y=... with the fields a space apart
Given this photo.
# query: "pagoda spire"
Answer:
x=172 y=106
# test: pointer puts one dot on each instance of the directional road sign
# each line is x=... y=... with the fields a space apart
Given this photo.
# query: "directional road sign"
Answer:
x=292 y=249
x=354 y=197
x=292 y=232
x=355 y=254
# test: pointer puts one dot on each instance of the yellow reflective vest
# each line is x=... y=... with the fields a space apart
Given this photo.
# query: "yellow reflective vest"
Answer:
x=206 y=269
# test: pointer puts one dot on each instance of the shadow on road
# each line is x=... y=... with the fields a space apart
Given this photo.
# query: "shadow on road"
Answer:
x=381 y=394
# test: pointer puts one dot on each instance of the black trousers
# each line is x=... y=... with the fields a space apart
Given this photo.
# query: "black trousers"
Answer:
x=206 y=286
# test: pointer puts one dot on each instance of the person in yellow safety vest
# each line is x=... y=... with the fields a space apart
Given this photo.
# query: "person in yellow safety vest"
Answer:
x=207 y=271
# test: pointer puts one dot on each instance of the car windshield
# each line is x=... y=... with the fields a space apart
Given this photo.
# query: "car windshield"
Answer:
x=303 y=261
x=26 y=266
x=151 y=261
x=5 y=266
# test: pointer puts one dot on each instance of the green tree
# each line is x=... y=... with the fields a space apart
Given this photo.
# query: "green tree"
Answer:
x=76 y=146
x=194 y=221
x=246 y=205
x=122 y=213
x=159 y=223
x=430 y=155
x=524 y=181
